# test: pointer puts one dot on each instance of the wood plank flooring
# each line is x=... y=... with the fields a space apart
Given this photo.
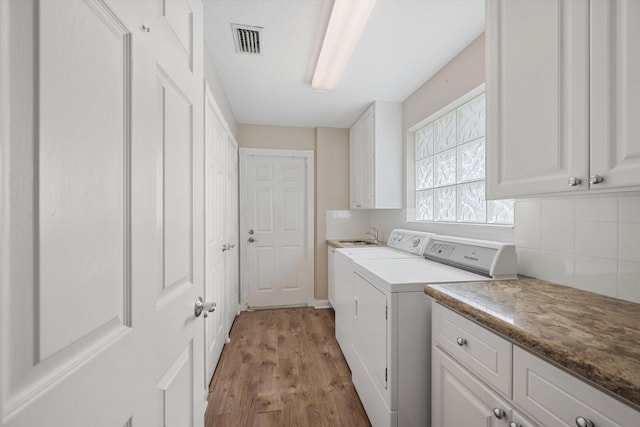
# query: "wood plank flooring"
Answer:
x=283 y=368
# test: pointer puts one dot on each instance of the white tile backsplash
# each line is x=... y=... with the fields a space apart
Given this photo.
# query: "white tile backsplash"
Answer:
x=596 y=275
x=629 y=209
x=557 y=236
x=556 y=267
x=629 y=281
x=629 y=237
x=558 y=210
x=347 y=224
x=597 y=239
x=528 y=218
x=529 y=261
x=597 y=209
x=590 y=242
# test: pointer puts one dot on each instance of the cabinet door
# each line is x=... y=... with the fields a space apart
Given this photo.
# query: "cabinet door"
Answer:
x=366 y=158
x=615 y=93
x=537 y=96
x=460 y=399
x=557 y=399
x=344 y=305
x=371 y=329
x=355 y=174
x=331 y=254
x=361 y=162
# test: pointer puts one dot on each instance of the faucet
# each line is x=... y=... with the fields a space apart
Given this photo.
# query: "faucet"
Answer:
x=374 y=233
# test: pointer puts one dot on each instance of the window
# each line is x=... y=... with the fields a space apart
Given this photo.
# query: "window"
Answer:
x=449 y=166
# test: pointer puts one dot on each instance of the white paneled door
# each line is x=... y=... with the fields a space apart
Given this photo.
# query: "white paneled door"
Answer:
x=276 y=227
x=231 y=230
x=216 y=238
x=102 y=226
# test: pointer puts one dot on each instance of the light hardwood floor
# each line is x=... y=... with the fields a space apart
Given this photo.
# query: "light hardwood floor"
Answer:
x=283 y=368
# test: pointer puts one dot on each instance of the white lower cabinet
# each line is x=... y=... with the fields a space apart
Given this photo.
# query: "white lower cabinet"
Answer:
x=556 y=398
x=331 y=275
x=461 y=399
x=543 y=394
x=343 y=305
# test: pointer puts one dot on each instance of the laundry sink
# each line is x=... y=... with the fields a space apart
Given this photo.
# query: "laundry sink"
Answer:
x=357 y=243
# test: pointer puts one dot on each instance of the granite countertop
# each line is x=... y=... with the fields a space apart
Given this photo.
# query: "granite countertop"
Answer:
x=590 y=335
x=340 y=243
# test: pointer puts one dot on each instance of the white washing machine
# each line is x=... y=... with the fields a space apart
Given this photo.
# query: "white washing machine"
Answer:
x=401 y=244
x=391 y=328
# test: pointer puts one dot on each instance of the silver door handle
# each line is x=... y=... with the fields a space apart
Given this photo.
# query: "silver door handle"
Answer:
x=225 y=248
x=251 y=240
x=203 y=307
x=231 y=246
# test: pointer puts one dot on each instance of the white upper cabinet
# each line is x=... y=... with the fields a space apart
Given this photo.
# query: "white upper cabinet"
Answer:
x=615 y=93
x=561 y=80
x=375 y=149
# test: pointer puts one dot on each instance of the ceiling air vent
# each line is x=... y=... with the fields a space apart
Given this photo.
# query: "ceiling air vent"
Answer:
x=247 y=39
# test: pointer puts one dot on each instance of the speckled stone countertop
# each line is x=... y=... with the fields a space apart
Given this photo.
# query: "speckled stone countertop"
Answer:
x=338 y=243
x=592 y=336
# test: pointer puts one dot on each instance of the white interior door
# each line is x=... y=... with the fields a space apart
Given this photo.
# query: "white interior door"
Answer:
x=215 y=275
x=276 y=227
x=102 y=214
x=231 y=228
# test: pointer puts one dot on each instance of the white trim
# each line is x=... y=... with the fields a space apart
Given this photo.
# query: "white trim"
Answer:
x=308 y=155
x=321 y=304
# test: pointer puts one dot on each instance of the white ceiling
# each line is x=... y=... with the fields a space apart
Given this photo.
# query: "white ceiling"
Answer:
x=404 y=43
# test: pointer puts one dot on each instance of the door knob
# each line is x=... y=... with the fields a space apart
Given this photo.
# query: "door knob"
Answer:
x=596 y=179
x=499 y=413
x=200 y=306
x=225 y=248
x=251 y=240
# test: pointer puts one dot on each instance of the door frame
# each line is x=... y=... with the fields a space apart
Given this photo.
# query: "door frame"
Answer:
x=209 y=99
x=308 y=156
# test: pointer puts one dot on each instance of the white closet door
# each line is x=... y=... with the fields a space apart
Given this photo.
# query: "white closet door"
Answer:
x=102 y=214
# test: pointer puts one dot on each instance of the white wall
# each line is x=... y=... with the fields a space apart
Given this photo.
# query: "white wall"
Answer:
x=211 y=76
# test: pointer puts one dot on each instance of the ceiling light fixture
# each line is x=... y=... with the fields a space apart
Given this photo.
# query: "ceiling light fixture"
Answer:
x=348 y=19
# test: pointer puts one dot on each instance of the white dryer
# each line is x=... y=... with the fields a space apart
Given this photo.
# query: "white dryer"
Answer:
x=401 y=244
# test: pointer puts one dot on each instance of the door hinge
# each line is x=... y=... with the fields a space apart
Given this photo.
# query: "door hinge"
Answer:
x=386 y=312
x=386 y=376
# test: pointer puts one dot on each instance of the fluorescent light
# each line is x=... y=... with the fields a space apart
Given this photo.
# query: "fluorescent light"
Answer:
x=348 y=19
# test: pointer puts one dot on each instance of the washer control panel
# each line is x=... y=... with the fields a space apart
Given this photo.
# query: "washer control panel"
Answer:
x=410 y=241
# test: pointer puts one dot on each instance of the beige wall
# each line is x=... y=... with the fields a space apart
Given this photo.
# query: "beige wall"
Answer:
x=279 y=137
x=331 y=154
x=459 y=76
x=332 y=192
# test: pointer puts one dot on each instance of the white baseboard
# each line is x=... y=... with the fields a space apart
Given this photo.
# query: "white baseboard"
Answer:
x=321 y=303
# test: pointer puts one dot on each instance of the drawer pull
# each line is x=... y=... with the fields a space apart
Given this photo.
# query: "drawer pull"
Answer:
x=514 y=424
x=584 y=422
x=461 y=341
x=499 y=413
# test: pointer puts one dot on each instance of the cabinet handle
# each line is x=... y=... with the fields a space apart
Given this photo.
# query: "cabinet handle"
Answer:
x=356 y=307
x=499 y=413
x=514 y=424
x=573 y=181
x=584 y=422
x=595 y=179
x=461 y=341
